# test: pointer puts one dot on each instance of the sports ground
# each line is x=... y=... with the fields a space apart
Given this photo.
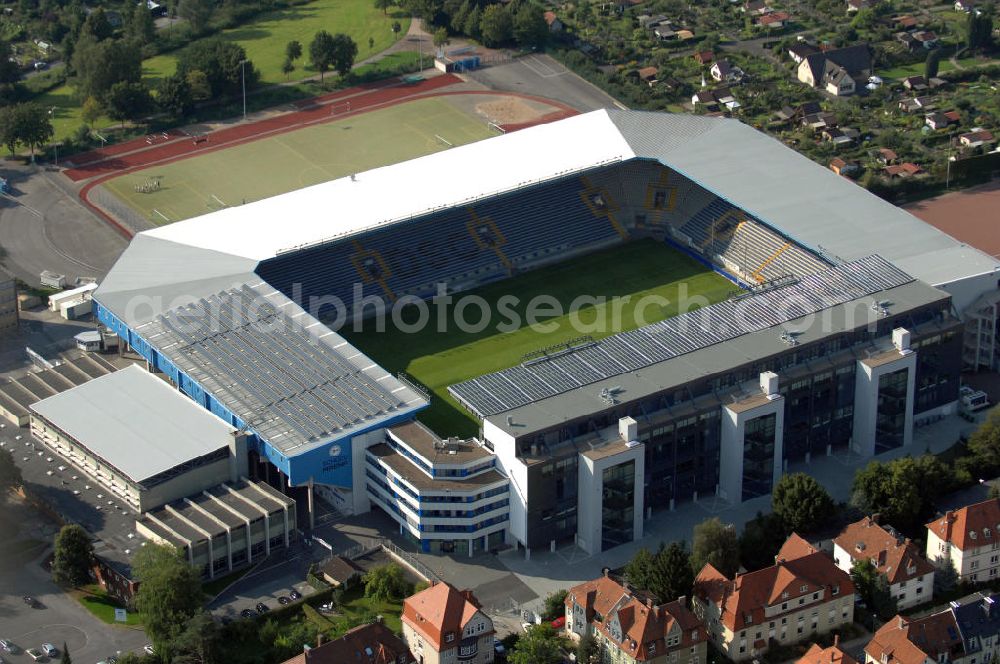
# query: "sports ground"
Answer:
x=284 y=162
x=438 y=359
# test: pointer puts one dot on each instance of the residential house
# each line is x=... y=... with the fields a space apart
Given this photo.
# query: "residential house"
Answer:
x=837 y=71
x=703 y=97
x=819 y=121
x=906 y=22
x=340 y=571
x=724 y=72
x=799 y=51
x=648 y=75
x=967 y=632
x=833 y=654
x=858 y=5
x=968 y=539
x=845 y=168
x=942 y=120
x=905 y=170
x=907 y=40
x=803 y=594
x=915 y=83
x=555 y=25
x=631 y=626
x=774 y=20
x=914 y=104
x=910 y=576
x=704 y=57
x=926 y=38
x=974 y=139
x=725 y=97
x=885 y=156
x=664 y=32
x=840 y=136
x=444 y=624
x=756 y=7
x=372 y=643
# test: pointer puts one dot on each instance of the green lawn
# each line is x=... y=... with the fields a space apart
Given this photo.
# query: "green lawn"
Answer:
x=917 y=69
x=264 y=39
x=94 y=599
x=439 y=359
x=300 y=158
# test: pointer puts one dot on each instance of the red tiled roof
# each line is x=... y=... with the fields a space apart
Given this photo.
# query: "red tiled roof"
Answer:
x=887 y=154
x=905 y=641
x=704 y=57
x=831 y=655
x=742 y=600
x=439 y=610
x=776 y=17
x=973 y=525
x=645 y=625
x=892 y=555
x=368 y=644
x=647 y=72
x=795 y=547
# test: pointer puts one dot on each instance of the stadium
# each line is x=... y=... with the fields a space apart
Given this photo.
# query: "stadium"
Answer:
x=842 y=321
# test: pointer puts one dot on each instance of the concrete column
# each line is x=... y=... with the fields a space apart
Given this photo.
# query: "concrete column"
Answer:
x=527 y=553
x=472 y=545
x=312 y=511
x=552 y=546
x=267 y=534
x=287 y=539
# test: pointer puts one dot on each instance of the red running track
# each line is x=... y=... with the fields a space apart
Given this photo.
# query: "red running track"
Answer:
x=361 y=100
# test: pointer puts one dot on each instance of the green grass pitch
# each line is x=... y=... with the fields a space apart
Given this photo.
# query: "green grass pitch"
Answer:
x=636 y=269
x=296 y=159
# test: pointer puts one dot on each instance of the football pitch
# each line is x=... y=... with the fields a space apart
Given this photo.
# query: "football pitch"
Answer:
x=626 y=286
x=292 y=160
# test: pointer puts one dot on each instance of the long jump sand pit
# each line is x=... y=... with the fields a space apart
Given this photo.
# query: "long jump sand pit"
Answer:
x=971 y=216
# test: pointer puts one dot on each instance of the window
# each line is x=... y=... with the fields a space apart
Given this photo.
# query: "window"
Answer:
x=835 y=590
x=449 y=637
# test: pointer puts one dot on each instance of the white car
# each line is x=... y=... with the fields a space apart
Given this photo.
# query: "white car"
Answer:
x=9 y=646
x=49 y=649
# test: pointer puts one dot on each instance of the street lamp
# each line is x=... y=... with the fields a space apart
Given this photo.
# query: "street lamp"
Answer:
x=243 y=81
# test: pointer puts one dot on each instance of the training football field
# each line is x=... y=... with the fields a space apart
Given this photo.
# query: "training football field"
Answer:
x=655 y=279
x=278 y=164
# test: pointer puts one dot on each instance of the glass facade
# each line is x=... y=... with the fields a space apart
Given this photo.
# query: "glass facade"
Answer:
x=759 y=436
x=890 y=422
x=617 y=505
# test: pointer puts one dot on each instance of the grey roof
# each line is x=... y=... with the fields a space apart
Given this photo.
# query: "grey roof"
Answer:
x=715 y=324
x=805 y=201
x=711 y=360
x=136 y=422
x=288 y=376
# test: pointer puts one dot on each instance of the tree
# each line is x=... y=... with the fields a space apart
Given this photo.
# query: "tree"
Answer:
x=715 y=543
x=384 y=5
x=932 y=63
x=344 y=52
x=174 y=95
x=761 y=539
x=128 y=101
x=140 y=26
x=197 y=81
x=873 y=588
x=223 y=63
x=588 y=650
x=945 y=576
x=979 y=31
x=672 y=575
x=371 y=43
x=440 y=37
x=639 y=570
x=10 y=474
x=802 y=504
x=97 y=25
x=530 y=28
x=99 y=65
x=9 y=72
x=539 y=645
x=287 y=67
x=293 y=50
x=321 y=52
x=197 y=13
x=72 y=557
x=169 y=592
x=496 y=26
x=199 y=642
x=65 y=658
x=30 y=125
x=385 y=583
x=555 y=605
x=902 y=491
x=984 y=445
x=91 y=110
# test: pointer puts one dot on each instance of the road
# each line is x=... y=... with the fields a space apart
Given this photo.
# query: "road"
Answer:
x=43 y=226
x=541 y=75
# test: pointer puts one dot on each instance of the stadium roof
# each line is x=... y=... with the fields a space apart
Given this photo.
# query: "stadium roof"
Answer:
x=136 y=422
x=710 y=360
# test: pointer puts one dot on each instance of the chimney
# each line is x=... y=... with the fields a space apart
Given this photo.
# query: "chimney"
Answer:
x=901 y=339
x=876 y=517
x=836 y=640
x=902 y=622
x=628 y=429
x=606 y=571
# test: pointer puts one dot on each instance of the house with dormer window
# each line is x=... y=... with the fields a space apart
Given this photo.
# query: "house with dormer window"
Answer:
x=802 y=595
x=968 y=539
x=442 y=624
x=632 y=626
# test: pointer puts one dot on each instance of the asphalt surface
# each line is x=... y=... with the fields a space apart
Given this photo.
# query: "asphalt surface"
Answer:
x=541 y=75
x=43 y=226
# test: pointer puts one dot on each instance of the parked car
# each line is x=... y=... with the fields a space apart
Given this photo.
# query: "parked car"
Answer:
x=8 y=646
x=284 y=600
x=295 y=594
x=49 y=649
x=498 y=645
x=262 y=608
x=30 y=601
x=247 y=613
x=34 y=653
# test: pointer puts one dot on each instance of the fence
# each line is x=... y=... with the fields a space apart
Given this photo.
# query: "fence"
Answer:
x=121 y=211
x=404 y=558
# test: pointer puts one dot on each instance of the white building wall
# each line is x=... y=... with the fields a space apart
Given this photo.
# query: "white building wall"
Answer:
x=590 y=495
x=731 y=443
x=866 y=401
x=508 y=463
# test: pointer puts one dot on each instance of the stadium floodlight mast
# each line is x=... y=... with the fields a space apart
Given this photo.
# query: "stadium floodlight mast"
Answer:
x=243 y=83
